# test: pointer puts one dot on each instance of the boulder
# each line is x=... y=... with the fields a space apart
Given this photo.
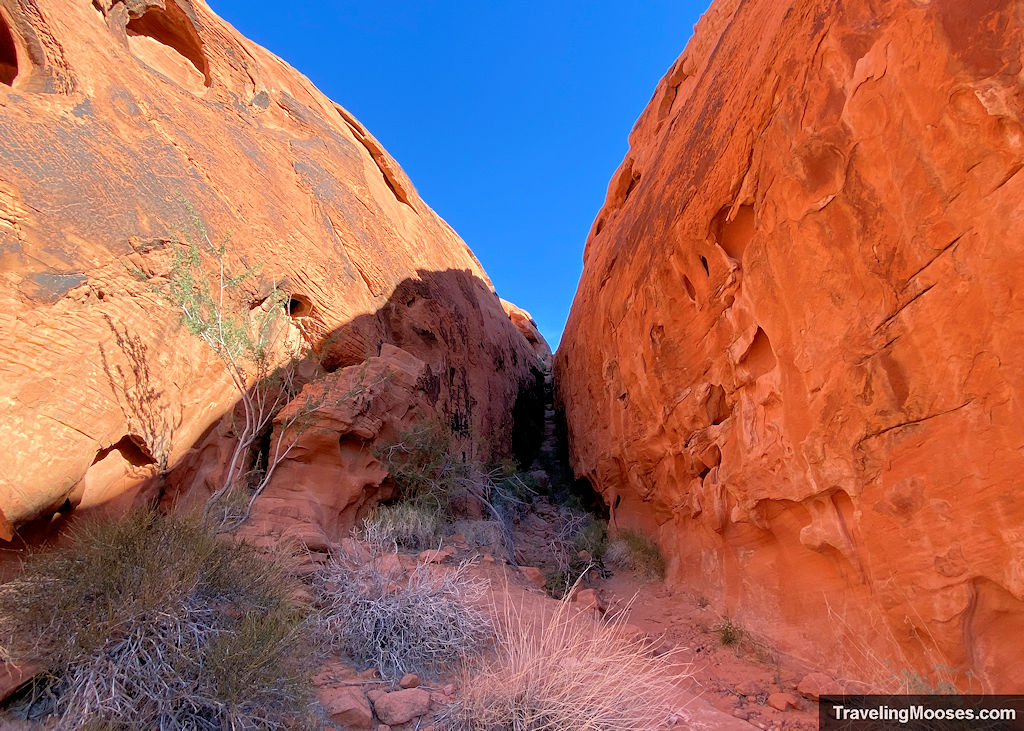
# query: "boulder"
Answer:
x=534 y=576
x=402 y=706
x=783 y=701
x=346 y=705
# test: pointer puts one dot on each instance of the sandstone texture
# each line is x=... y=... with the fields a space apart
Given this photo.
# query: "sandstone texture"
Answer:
x=796 y=356
x=126 y=124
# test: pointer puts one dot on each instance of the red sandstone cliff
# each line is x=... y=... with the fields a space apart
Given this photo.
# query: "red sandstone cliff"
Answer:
x=797 y=354
x=118 y=116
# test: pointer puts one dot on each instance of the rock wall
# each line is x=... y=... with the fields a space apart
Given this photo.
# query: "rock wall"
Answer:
x=796 y=355
x=122 y=121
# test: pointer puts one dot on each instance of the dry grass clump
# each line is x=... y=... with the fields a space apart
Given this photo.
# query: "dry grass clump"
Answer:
x=422 y=622
x=637 y=552
x=564 y=671
x=150 y=621
x=411 y=524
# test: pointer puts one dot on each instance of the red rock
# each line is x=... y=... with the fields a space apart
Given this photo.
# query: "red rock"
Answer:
x=525 y=323
x=346 y=705
x=409 y=680
x=534 y=575
x=783 y=701
x=433 y=555
x=815 y=685
x=103 y=390
x=402 y=706
x=796 y=353
x=588 y=599
x=12 y=676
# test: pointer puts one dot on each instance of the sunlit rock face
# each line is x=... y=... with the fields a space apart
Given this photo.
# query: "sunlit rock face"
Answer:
x=796 y=353
x=120 y=123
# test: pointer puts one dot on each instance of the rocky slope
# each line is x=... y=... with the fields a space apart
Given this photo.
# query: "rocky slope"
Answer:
x=121 y=122
x=795 y=356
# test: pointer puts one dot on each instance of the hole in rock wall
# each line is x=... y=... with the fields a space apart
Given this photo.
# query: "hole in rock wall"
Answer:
x=716 y=408
x=760 y=357
x=8 y=54
x=297 y=306
x=733 y=236
x=704 y=263
x=133 y=450
x=166 y=40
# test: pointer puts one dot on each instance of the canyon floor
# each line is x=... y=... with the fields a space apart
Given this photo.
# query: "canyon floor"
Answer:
x=727 y=679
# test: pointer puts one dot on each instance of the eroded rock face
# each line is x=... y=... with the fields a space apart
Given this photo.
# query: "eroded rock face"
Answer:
x=121 y=123
x=796 y=353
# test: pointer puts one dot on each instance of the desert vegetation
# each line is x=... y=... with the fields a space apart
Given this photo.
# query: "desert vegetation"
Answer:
x=151 y=621
x=561 y=670
x=380 y=616
x=244 y=329
x=636 y=552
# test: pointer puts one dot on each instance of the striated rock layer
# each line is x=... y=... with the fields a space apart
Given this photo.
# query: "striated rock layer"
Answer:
x=796 y=355
x=121 y=122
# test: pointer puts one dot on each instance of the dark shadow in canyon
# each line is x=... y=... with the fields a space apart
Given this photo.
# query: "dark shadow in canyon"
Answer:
x=441 y=317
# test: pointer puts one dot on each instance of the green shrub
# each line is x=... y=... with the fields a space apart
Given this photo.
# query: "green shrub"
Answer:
x=150 y=621
x=636 y=552
x=563 y=565
x=422 y=462
x=592 y=538
x=430 y=478
x=424 y=621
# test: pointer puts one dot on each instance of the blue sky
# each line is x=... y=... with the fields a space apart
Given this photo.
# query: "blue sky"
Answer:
x=510 y=117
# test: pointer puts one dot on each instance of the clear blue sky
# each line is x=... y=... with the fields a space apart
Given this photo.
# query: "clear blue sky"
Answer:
x=510 y=117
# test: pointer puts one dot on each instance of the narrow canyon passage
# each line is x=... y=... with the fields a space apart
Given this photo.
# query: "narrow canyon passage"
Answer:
x=783 y=419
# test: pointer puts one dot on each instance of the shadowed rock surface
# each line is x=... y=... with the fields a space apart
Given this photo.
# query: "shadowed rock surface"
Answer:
x=795 y=356
x=121 y=119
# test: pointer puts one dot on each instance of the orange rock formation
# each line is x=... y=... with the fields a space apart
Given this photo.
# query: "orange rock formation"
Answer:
x=116 y=119
x=796 y=354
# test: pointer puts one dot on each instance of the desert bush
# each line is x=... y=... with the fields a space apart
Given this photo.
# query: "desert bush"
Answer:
x=248 y=338
x=729 y=633
x=150 y=621
x=563 y=671
x=636 y=552
x=574 y=532
x=430 y=476
x=488 y=535
x=592 y=537
x=411 y=524
x=422 y=462
x=423 y=621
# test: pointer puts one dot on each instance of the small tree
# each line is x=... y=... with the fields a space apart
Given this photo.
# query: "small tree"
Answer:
x=201 y=286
